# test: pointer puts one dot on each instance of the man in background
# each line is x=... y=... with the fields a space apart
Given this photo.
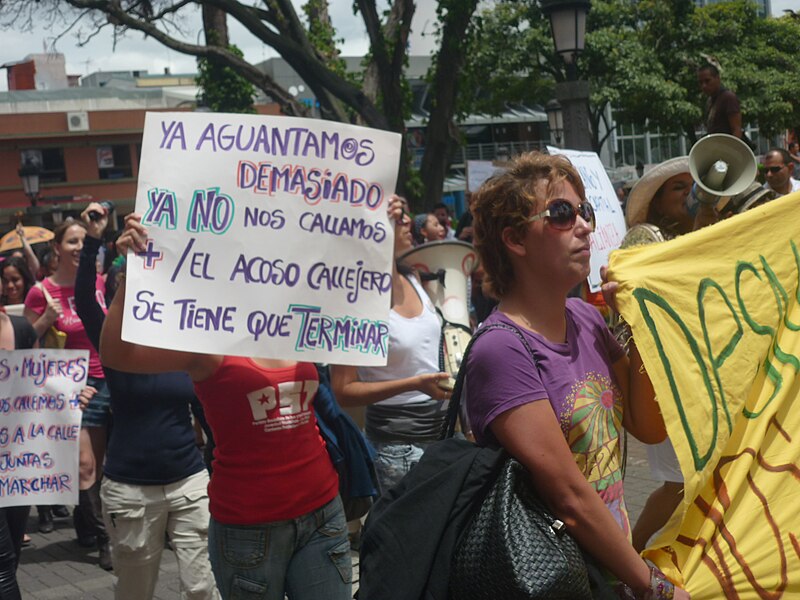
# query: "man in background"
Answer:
x=722 y=111
x=778 y=169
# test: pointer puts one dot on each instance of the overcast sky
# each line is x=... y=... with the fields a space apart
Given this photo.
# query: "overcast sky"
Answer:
x=132 y=52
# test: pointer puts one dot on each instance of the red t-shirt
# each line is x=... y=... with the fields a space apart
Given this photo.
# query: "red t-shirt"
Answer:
x=270 y=462
x=69 y=322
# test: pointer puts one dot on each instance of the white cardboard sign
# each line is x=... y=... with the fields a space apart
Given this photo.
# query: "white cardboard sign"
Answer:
x=610 y=228
x=40 y=425
x=479 y=171
x=268 y=237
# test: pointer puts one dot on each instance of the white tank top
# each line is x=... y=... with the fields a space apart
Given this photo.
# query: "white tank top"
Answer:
x=413 y=349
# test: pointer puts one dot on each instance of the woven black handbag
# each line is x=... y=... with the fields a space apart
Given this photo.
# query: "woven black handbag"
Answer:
x=514 y=548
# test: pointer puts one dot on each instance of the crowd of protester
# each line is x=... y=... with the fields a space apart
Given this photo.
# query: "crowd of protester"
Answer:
x=270 y=521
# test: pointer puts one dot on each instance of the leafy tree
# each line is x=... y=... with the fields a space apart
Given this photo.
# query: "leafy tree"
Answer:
x=641 y=59
x=510 y=59
x=221 y=88
x=309 y=48
x=758 y=59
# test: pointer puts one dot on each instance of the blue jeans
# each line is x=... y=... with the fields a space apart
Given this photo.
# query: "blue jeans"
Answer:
x=307 y=558
x=394 y=460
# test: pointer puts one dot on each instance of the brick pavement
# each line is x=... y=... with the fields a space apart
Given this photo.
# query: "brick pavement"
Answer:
x=55 y=567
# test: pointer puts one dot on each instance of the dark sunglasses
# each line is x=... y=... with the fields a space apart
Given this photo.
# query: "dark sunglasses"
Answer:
x=561 y=214
x=774 y=170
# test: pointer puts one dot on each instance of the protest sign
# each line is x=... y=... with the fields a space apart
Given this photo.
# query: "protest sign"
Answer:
x=268 y=237
x=610 y=229
x=40 y=425
x=716 y=317
x=479 y=171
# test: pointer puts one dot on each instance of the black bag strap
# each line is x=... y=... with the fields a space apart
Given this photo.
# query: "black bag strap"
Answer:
x=24 y=334
x=449 y=426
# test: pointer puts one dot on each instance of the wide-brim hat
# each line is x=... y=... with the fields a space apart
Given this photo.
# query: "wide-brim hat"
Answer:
x=643 y=191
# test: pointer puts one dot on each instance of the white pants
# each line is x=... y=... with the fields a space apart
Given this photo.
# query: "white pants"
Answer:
x=137 y=516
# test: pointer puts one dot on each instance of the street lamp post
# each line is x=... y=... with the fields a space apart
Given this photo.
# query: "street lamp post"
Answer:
x=29 y=173
x=568 y=27
x=555 y=120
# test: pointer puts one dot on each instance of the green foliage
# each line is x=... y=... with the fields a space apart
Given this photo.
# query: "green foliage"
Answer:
x=758 y=60
x=322 y=36
x=641 y=58
x=221 y=88
x=503 y=64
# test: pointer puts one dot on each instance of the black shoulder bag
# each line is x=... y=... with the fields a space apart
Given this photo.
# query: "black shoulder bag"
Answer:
x=513 y=548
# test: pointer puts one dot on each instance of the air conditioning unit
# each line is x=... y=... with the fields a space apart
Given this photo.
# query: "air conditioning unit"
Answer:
x=78 y=121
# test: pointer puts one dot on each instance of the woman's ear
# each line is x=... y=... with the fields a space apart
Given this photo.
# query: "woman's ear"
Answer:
x=513 y=241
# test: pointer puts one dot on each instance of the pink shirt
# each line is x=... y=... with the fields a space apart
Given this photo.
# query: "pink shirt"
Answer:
x=69 y=322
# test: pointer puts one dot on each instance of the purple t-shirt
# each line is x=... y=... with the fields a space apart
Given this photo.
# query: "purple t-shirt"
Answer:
x=577 y=378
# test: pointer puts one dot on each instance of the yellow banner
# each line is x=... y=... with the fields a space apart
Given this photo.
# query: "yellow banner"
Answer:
x=715 y=316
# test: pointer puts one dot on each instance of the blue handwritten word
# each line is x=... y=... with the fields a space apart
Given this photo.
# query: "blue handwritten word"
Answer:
x=347 y=333
x=259 y=323
x=145 y=309
x=162 y=209
x=39 y=369
x=11 y=462
x=589 y=178
x=343 y=226
x=17 y=436
x=353 y=279
x=290 y=141
x=210 y=211
x=313 y=184
x=261 y=270
x=198 y=264
x=172 y=132
x=59 y=433
x=254 y=216
x=54 y=483
x=33 y=403
x=200 y=317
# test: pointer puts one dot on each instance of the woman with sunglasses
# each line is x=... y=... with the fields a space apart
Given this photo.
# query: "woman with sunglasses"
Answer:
x=561 y=414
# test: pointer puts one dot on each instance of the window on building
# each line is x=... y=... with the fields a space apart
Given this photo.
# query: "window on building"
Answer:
x=114 y=162
x=49 y=160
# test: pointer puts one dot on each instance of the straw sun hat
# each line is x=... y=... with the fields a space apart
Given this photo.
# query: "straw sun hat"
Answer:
x=643 y=191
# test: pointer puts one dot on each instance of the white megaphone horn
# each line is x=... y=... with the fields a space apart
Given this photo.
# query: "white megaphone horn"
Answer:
x=721 y=166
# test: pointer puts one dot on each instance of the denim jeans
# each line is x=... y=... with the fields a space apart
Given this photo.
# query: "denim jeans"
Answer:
x=394 y=460
x=307 y=558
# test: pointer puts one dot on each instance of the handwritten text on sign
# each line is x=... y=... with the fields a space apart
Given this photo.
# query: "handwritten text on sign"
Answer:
x=40 y=423
x=268 y=236
x=610 y=227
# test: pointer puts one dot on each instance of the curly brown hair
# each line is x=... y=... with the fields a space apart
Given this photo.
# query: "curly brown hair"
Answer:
x=509 y=199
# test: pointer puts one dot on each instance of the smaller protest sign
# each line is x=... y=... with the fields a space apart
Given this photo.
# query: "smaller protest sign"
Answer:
x=610 y=228
x=479 y=171
x=40 y=425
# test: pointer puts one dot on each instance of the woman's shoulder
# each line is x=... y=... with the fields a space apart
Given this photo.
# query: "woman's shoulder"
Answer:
x=496 y=338
x=585 y=312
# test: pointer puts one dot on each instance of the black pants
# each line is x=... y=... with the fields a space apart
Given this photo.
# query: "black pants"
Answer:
x=12 y=527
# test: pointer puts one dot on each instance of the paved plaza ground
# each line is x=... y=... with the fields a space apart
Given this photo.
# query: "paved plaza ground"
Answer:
x=55 y=567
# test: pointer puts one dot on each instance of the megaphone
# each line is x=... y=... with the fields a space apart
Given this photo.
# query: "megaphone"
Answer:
x=721 y=166
x=444 y=267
